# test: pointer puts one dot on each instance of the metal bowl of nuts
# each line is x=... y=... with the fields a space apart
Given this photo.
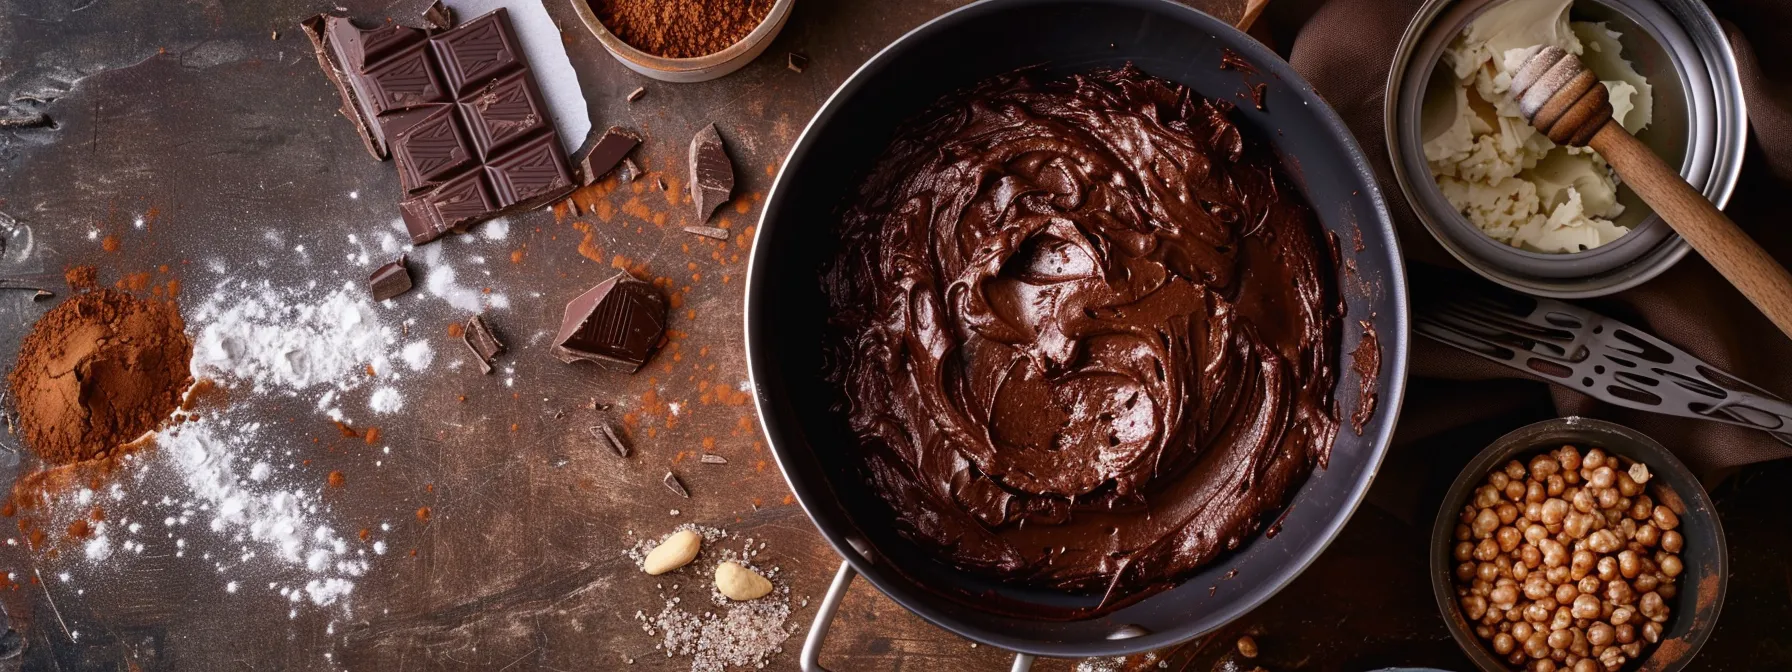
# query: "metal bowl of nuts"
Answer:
x=1578 y=545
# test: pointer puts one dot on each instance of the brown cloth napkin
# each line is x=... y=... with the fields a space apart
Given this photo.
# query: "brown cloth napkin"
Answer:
x=1346 y=47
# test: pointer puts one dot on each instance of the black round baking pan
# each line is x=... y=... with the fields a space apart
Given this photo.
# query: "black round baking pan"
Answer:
x=1706 y=556
x=786 y=312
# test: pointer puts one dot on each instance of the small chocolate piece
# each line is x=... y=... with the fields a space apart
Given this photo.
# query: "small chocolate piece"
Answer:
x=391 y=279
x=797 y=61
x=677 y=487
x=712 y=458
x=607 y=436
x=1257 y=94
x=637 y=93
x=628 y=171
x=480 y=340
x=421 y=14
x=599 y=158
x=617 y=324
x=712 y=173
x=661 y=182
x=717 y=233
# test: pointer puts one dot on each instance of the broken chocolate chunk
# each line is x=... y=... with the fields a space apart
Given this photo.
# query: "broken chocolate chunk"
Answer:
x=480 y=340
x=712 y=173
x=390 y=280
x=421 y=14
x=617 y=324
x=628 y=171
x=637 y=93
x=608 y=437
x=599 y=158
x=675 y=485
x=715 y=232
x=796 y=62
x=712 y=458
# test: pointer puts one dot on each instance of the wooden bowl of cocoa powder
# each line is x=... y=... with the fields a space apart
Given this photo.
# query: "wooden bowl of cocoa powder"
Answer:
x=684 y=40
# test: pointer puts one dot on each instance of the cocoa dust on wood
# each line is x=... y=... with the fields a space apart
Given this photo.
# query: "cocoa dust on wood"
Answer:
x=681 y=28
x=97 y=372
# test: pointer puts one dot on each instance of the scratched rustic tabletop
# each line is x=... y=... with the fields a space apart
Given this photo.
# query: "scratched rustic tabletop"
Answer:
x=211 y=122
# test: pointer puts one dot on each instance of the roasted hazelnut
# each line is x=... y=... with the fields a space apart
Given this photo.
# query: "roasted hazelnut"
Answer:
x=1589 y=585
x=1465 y=571
x=1514 y=490
x=1647 y=582
x=1556 y=574
x=1671 y=541
x=1627 y=486
x=1565 y=593
x=1554 y=485
x=1474 y=607
x=1664 y=518
x=1602 y=478
x=1667 y=590
x=1560 y=639
x=1531 y=556
x=1487 y=571
x=1522 y=630
x=1487 y=550
x=1514 y=470
x=1537 y=646
x=1670 y=566
x=1503 y=597
x=1487 y=496
x=1603 y=541
x=1648 y=535
x=1486 y=523
x=1650 y=605
x=1543 y=665
x=1608 y=499
x=1586 y=665
x=1584 y=501
x=1652 y=632
x=1616 y=590
x=1534 y=492
x=1553 y=511
x=1600 y=634
x=1586 y=606
x=1507 y=512
x=1509 y=538
x=1624 y=634
x=1533 y=511
x=1641 y=507
x=1536 y=588
x=1580 y=564
x=1535 y=613
x=1628 y=564
x=1503 y=643
x=1594 y=459
x=1463 y=552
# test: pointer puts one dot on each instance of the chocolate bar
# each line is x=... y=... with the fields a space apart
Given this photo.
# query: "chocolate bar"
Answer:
x=459 y=112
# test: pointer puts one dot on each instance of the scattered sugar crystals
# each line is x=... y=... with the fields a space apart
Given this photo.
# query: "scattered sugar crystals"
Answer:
x=724 y=634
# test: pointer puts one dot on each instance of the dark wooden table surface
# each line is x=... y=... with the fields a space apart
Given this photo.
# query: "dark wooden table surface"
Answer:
x=212 y=120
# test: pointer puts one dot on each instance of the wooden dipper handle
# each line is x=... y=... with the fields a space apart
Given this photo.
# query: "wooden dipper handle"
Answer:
x=1564 y=100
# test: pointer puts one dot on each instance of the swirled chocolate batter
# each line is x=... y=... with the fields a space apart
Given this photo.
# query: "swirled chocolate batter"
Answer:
x=1087 y=335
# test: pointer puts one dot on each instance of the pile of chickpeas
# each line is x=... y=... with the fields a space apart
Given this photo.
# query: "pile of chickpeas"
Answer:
x=1566 y=563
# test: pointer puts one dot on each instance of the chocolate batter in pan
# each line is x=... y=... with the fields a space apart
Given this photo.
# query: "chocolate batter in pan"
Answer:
x=1086 y=334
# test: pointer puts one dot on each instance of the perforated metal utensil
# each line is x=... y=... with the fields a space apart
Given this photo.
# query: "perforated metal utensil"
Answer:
x=1600 y=357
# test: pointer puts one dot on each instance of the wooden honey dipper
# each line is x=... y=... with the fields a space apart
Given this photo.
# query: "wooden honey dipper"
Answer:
x=1565 y=100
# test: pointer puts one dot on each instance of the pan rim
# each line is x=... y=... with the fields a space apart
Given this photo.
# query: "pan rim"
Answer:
x=1392 y=391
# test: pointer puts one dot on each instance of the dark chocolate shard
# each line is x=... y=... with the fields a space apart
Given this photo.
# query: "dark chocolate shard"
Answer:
x=628 y=171
x=712 y=458
x=675 y=485
x=712 y=173
x=607 y=436
x=617 y=324
x=390 y=280
x=637 y=93
x=480 y=340
x=598 y=158
x=421 y=14
x=715 y=232
x=797 y=62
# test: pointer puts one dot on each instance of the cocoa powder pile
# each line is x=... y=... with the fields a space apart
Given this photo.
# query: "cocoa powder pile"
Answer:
x=98 y=372
x=681 y=28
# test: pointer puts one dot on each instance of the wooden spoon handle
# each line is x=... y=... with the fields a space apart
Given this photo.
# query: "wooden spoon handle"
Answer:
x=1759 y=277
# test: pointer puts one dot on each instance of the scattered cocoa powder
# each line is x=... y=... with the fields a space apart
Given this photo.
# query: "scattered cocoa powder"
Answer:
x=681 y=28
x=337 y=480
x=82 y=278
x=423 y=514
x=373 y=435
x=97 y=372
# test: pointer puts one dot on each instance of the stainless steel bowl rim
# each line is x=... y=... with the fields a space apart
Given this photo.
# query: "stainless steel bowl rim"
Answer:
x=1713 y=162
